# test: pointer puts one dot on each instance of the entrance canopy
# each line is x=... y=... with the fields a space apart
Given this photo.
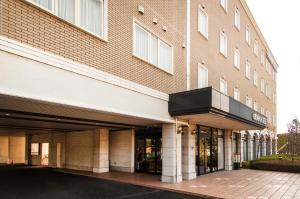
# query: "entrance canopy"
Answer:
x=209 y=107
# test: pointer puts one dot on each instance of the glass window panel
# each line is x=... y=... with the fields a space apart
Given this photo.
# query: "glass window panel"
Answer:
x=66 y=10
x=141 y=43
x=165 y=55
x=203 y=22
x=91 y=15
x=202 y=77
x=44 y=3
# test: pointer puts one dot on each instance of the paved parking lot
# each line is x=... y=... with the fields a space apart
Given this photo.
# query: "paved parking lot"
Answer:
x=41 y=183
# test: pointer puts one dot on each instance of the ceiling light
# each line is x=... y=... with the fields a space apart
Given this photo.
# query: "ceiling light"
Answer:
x=7 y=114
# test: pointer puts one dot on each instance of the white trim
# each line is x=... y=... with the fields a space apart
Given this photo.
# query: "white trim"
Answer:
x=222 y=34
x=188 y=44
x=238 y=65
x=203 y=67
x=237 y=13
x=39 y=55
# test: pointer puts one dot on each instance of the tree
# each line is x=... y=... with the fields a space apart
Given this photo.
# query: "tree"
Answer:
x=293 y=140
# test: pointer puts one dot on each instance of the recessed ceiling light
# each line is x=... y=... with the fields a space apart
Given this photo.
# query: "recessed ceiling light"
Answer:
x=58 y=119
x=7 y=114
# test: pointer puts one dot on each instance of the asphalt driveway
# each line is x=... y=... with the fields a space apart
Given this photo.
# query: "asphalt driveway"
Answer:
x=45 y=183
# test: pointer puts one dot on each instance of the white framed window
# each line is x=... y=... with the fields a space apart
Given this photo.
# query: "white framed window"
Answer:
x=262 y=85
x=268 y=67
x=268 y=91
x=268 y=115
x=203 y=22
x=255 y=78
x=248 y=69
x=262 y=110
x=237 y=18
x=237 y=58
x=89 y=15
x=248 y=35
x=255 y=107
x=202 y=76
x=236 y=94
x=249 y=101
x=262 y=57
x=35 y=148
x=224 y=4
x=223 y=86
x=223 y=43
x=255 y=47
x=152 y=49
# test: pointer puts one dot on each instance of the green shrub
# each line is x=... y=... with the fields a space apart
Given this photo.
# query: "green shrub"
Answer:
x=245 y=164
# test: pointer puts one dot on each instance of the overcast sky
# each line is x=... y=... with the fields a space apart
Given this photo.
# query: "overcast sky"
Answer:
x=279 y=21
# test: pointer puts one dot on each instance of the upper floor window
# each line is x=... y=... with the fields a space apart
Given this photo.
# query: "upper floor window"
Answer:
x=151 y=49
x=255 y=107
x=223 y=86
x=236 y=94
x=262 y=57
x=237 y=18
x=262 y=85
x=262 y=110
x=202 y=76
x=223 y=43
x=248 y=35
x=248 y=70
x=237 y=58
x=224 y=4
x=35 y=148
x=203 y=22
x=90 y=15
x=249 y=101
x=255 y=47
x=255 y=78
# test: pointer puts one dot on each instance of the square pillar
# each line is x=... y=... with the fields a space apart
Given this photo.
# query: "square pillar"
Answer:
x=228 y=152
x=240 y=146
x=270 y=146
x=101 y=149
x=188 y=153
x=171 y=154
x=264 y=147
x=250 y=147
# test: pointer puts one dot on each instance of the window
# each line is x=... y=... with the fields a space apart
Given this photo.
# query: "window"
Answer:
x=151 y=49
x=262 y=85
x=90 y=15
x=202 y=76
x=224 y=4
x=248 y=70
x=268 y=67
x=236 y=94
x=255 y=78
x=268 y=91
x=35 y=148
x=237 y=58
x=262 y=110
x=203 y=22
x=223 y=86
x=268 y=115
x=237 y=18
x=255 y=47
x=249 y=101
x=223 y=43
x=255 y=106
x=248 y=35
x=262 y=57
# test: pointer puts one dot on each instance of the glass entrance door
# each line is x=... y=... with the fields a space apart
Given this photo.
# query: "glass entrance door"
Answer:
x=148 y=152
x=209 y=150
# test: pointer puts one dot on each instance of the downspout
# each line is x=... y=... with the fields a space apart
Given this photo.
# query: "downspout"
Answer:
x=188 y=44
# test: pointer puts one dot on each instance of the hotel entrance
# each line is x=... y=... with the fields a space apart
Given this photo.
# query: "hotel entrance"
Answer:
x=148 y=148
x=209 y=150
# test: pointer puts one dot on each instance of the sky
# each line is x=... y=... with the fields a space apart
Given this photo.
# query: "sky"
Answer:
x=279 y=21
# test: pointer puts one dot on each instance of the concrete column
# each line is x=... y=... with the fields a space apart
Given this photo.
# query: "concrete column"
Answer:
x=122 y=150
x=4 y=149
x=171 y=159
x=270 y=146
x=240 y=146
x=188 y=153
x=228 y=153
x=101 y=148
x=264 y=147
x=27 y=149
x=250 y=147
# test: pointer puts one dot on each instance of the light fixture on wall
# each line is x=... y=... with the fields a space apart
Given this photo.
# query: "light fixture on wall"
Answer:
x=155 y=21
x=165 y=28
x=141 y=9
x=193 y=132
x=179 y=130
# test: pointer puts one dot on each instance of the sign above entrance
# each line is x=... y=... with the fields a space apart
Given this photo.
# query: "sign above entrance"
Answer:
x=257 y=117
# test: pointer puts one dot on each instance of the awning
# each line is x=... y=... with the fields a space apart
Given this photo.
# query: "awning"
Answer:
x=209 y=107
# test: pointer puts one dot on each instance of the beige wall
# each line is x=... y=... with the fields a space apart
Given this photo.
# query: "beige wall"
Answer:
x=121 y=150
x=12 y=149
x=219 y=66
x=115 y=56
x=4 y=149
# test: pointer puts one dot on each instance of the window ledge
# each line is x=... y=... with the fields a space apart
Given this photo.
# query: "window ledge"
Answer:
x=147 y=62
x=203 y=35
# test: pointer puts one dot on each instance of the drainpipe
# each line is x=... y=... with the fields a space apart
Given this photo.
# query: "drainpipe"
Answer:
x=188 y=44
